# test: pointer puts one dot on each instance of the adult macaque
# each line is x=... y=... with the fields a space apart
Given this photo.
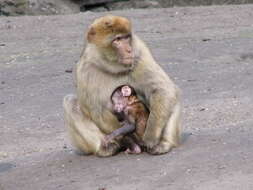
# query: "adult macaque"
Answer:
x=115 y=56
x=132 y=115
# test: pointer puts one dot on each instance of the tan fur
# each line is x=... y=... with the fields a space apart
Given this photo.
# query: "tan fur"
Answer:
x=98 y=73
x=107 y=27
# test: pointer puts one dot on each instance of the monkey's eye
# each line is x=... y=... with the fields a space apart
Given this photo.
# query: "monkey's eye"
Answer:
x=118 y=38
x=128 y=36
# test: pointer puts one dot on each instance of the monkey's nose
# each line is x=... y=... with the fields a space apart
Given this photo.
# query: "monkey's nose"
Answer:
x=129 y=50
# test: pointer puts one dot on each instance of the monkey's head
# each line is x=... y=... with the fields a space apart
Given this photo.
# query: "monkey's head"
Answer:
x=112 y=35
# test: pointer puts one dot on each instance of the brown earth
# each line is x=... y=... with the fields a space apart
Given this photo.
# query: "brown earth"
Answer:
x=206 y=50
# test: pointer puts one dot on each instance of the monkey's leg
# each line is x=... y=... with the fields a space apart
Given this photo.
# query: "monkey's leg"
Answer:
x=171 y=134
x=85 y=135
x=130 y=145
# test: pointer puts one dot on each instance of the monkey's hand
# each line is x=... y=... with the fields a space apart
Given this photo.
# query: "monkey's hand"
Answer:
x=152 y=132
x=149 y=140
x=106 y=140
x=158 y=118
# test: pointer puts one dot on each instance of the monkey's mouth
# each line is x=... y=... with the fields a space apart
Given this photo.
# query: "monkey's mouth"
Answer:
x=127 y=61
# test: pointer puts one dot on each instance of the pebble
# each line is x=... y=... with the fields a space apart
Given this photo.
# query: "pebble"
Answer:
x=3 y=154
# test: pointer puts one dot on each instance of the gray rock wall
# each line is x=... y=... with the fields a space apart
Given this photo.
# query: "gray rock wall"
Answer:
x=49 y=7
x=37 y=7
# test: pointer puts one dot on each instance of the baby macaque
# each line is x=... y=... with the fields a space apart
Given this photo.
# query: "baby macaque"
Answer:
x=133 y=116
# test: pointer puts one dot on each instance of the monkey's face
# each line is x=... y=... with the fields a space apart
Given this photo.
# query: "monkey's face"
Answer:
x=119 y=107
x=119 y=101
x=123 y=46
x=119 y=104
x=112 y=35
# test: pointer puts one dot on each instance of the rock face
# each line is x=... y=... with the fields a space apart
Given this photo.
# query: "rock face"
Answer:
x=171 y=3
x=37 y=7
x=49 y=7
x=142 y=4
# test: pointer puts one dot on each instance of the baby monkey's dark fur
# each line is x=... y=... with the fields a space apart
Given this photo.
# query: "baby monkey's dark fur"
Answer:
x=133 y=116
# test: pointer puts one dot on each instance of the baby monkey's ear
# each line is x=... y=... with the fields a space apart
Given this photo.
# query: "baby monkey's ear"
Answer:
x=126 y=91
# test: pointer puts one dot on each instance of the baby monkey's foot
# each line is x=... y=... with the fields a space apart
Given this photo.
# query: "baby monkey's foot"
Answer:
x=135 y=149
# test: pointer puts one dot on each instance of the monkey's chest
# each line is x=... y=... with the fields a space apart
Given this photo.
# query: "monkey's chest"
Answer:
x=97 y=88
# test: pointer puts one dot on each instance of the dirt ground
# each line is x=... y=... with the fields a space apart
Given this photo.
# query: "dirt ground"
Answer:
x=208 y=51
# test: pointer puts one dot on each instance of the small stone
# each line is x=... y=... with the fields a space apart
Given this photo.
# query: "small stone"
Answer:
x=3 y=154
x=206 y=39
x=69 y=70
x=221 y=167
x=191 y=80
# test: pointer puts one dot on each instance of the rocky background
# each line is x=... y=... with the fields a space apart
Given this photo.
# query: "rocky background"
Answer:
x=51 y=7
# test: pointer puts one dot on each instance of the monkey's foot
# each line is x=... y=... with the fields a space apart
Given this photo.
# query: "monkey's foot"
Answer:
x=150 y=142
x=161 y=148
x=109 y=150
x=133 y=150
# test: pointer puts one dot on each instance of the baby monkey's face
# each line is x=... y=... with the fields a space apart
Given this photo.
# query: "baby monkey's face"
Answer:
x=119 y=106
x=120 y=98
x=119 y=103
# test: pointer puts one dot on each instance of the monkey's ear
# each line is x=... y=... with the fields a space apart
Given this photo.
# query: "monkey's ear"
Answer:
x=91 y=34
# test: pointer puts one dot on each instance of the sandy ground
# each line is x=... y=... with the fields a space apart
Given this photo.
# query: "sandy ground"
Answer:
x=208 y=51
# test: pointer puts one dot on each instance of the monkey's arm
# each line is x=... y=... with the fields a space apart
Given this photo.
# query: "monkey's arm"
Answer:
x=161 y=104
